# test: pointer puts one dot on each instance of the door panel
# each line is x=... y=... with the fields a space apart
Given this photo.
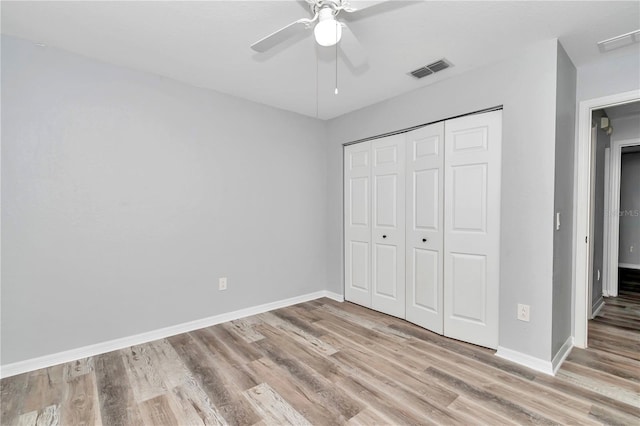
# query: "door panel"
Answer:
x=357 y=223
x=426 y=271
x=472 y=228
x=387 y=201
x=424 y=227
x=468 y=287
x=388 y=233
x=469 y=198
x=386 y=270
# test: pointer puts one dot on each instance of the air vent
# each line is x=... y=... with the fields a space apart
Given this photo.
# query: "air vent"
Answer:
x=430 y=69
x=421 y=72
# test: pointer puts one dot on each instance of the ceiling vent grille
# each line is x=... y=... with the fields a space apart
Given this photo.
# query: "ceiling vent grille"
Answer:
x=421 y=72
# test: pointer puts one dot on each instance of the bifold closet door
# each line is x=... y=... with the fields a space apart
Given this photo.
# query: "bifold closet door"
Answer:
x=388 y=230
x=357 y=223
x=424 y=226
x=374 y=205
x=472 y=228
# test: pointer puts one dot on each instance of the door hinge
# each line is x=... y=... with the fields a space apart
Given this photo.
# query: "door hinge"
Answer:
x=586 y=239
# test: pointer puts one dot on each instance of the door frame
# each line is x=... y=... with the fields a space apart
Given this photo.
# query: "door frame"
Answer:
x=583 y=217
x=613 y=214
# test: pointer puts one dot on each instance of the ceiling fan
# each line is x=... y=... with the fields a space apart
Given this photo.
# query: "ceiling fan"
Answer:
x=328 y=31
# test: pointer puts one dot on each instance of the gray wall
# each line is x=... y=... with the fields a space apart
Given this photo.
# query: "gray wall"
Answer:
x=626 y=128
x=526 y=86
x=602 y=142
x=563 y=201
x=611 y=75
x=630 y=206
x=126 y=195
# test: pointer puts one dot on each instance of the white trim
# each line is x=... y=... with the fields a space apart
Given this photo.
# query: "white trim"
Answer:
x=562 y=354
x=334 y=296
x=526 y=360
x=614 y=218
x=606 y=255
x=124 y=342
x=592 y=223
x=537 y=364
x=597 y=307
x=581 y=214
x=629 y=265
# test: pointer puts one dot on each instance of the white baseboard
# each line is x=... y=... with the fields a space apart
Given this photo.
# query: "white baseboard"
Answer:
x=335 y=296
x=546 y=367
x=125 y=342
x=628 y=265
x=562 y=354
x=525 y=360
x=597 y=307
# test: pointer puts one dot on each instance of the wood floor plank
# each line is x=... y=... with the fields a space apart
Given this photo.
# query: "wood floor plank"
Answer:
x=49 y=416
x=328 y=363
x=13 y=392
x=144 y=377
x=504 y=406
x=157 y=411
x=80 y=406
x=44 y=388
x=612 y=417
x=195 y=406
x=246 y=330
x=117 y=403
x=368 y=417
x=226 y=398
x=274 y=408
x=301 y=399
x=300 y=335
x=26 y=419
x=319 y=388
x=478 y=413
x=78 y=368
x=231 y=369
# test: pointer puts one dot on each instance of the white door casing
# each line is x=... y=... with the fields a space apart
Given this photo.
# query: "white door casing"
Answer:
x=388 y=225
x=472 y=228
x=424 y=226
x=357 y=223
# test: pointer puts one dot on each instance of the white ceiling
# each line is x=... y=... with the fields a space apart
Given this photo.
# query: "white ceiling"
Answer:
x=207 y=43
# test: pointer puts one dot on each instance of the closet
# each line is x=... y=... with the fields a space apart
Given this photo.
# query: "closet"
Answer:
x=422 y=226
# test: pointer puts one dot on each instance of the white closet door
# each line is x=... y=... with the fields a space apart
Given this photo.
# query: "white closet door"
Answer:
x=472 y=228
x=388 y=233
x=425 y=223
x=357 y=223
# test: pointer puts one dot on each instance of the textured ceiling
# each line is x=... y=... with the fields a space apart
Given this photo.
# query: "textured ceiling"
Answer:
x=207 y=43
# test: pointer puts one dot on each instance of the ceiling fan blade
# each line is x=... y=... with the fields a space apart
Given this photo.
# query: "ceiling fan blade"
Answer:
x=363 y=9
x=281 y=35
x=352 y=48
x=352 y=6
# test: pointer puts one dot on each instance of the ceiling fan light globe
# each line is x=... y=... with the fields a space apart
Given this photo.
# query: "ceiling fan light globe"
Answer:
x=327 y=32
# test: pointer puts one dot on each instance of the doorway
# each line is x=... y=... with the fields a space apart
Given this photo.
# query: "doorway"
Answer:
x=584 y=217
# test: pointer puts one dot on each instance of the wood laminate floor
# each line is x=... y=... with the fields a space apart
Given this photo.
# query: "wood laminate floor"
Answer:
x=327 y=363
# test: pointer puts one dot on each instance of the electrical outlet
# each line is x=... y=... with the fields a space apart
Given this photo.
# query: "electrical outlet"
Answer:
x=630 y=249
x=523 y=312
x=222 y=283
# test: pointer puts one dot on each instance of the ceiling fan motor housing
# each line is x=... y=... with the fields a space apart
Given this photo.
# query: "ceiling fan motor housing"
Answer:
x=328 y=30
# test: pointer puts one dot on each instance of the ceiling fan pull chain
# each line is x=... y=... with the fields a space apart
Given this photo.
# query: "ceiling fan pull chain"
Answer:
x=336 y=91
